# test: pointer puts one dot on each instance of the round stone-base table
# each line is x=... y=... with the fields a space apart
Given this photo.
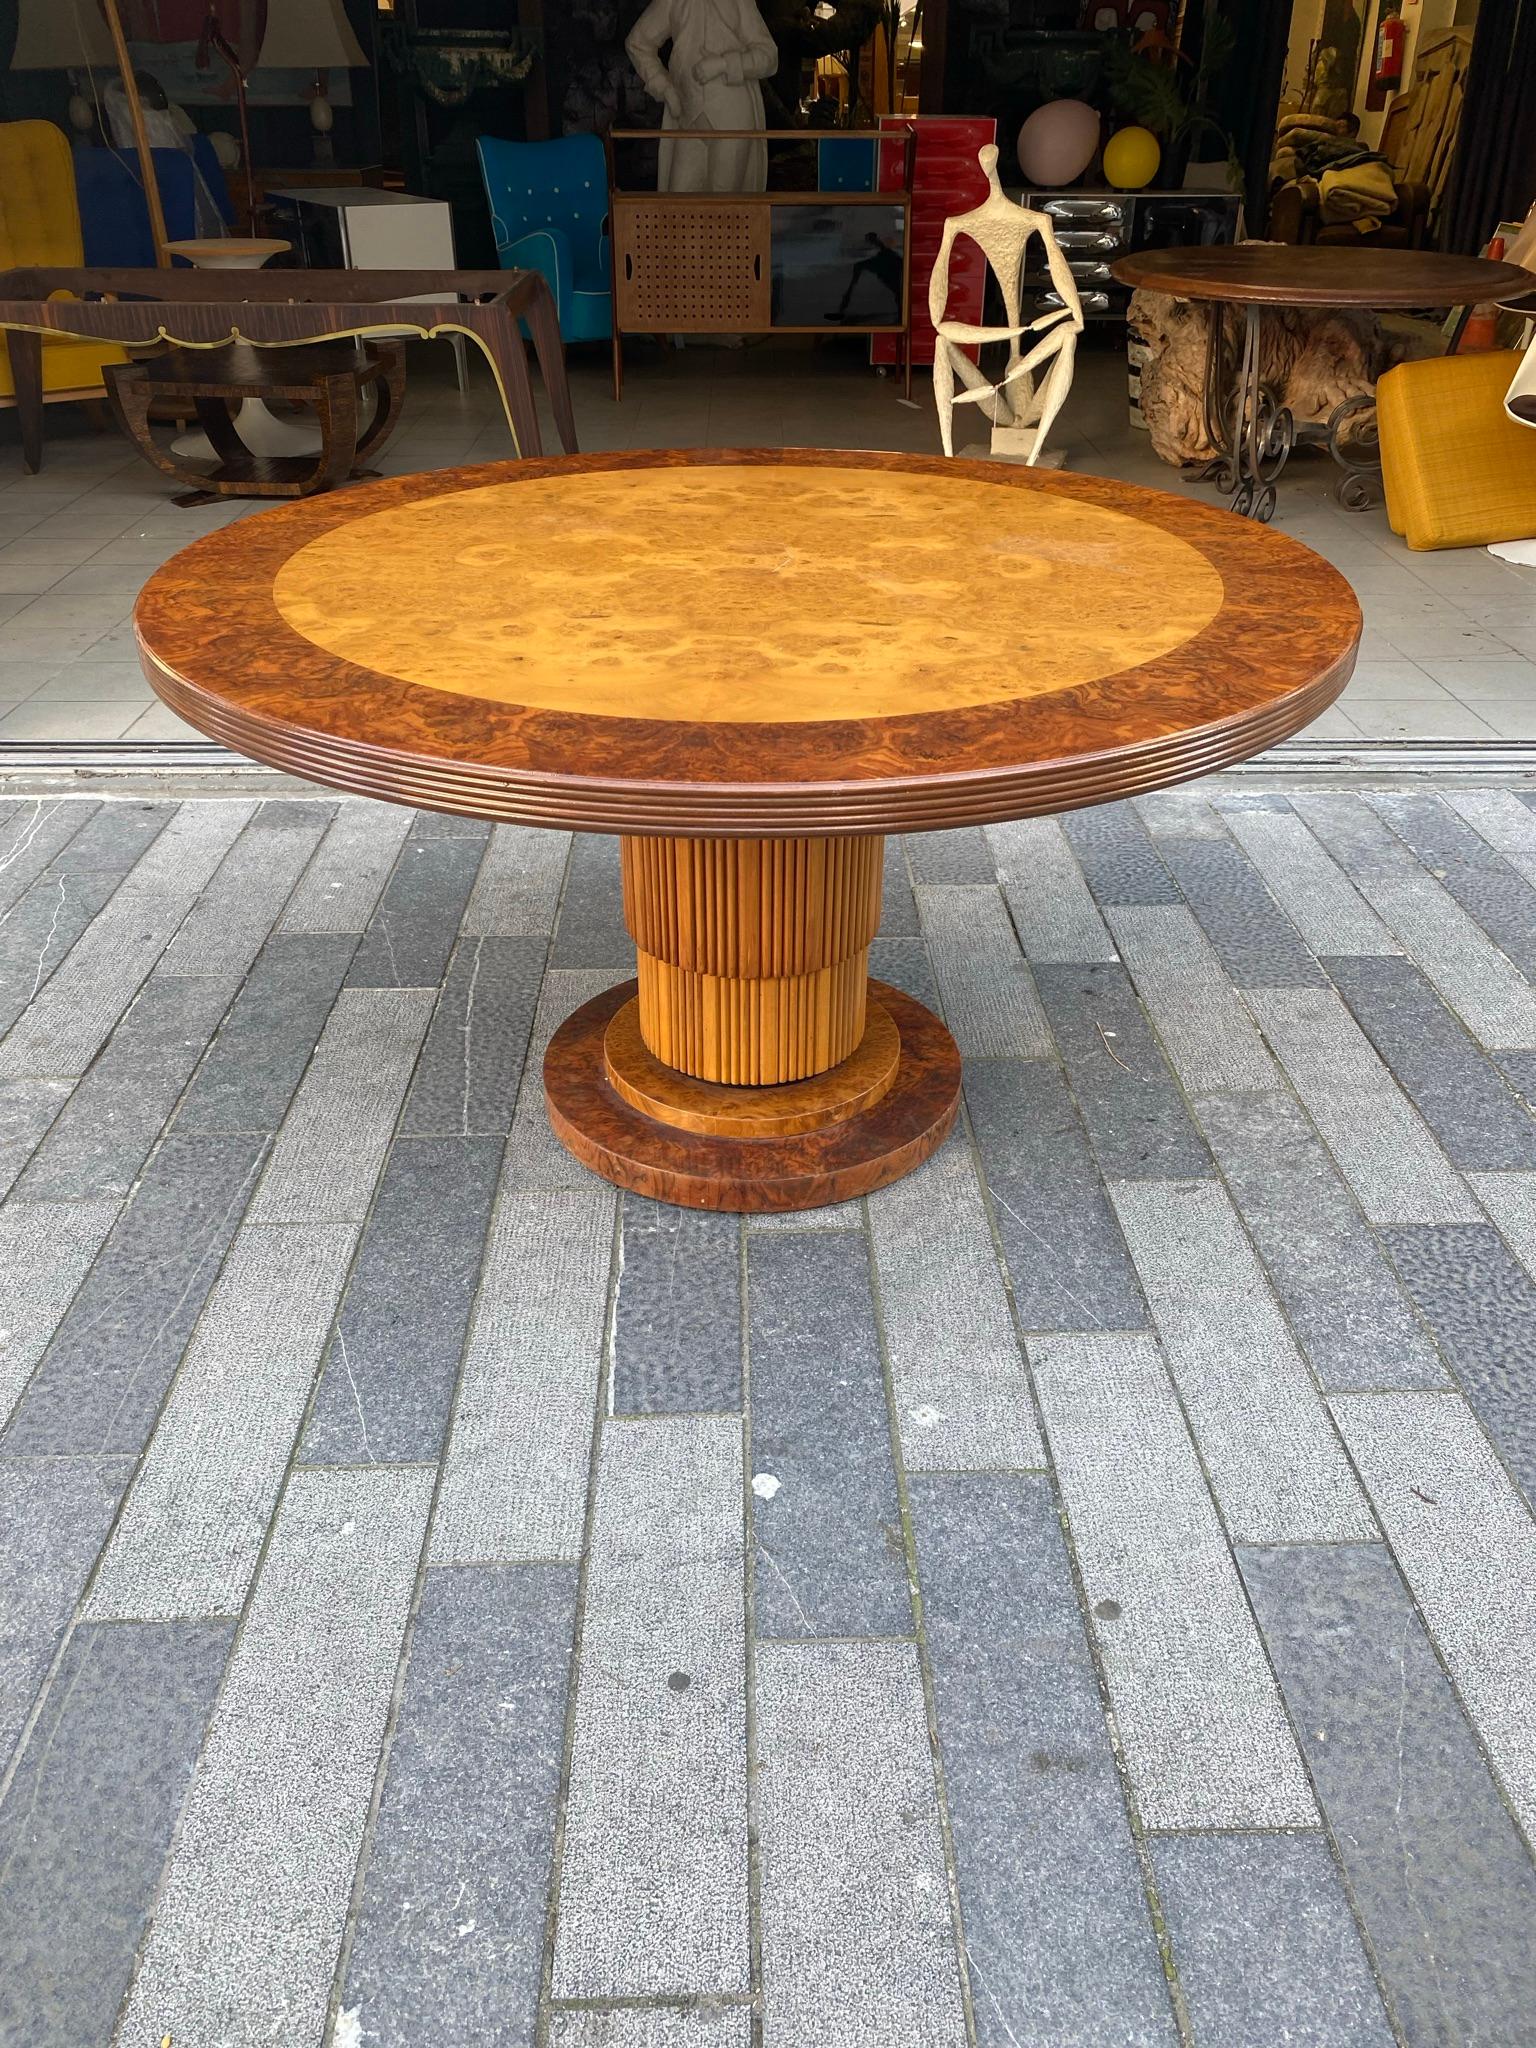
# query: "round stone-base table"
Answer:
x=751 y=667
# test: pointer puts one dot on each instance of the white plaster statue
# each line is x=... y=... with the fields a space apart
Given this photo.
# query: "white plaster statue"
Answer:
x=720 y=51
x=1023 y=402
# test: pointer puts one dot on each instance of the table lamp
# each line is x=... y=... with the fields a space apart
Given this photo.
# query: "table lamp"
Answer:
x=64 y=35
x=311 y=35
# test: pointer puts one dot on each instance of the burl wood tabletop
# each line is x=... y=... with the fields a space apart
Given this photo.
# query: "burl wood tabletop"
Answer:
x=748 y=642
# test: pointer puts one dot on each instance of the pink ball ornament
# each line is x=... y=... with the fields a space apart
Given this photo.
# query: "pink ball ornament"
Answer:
x=1057 y=142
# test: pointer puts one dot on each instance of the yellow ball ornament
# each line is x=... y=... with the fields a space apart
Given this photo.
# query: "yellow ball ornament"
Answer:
x=1131 y=158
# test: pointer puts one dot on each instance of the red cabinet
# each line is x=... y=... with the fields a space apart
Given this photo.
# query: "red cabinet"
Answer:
x=946 y=179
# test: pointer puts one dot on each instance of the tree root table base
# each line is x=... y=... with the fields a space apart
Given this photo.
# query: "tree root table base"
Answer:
x=753 y=1065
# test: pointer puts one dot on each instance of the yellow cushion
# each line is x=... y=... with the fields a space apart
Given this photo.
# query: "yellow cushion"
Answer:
x=40 y=223
x=39 y=214
x=1458 y=471
x=68 y=365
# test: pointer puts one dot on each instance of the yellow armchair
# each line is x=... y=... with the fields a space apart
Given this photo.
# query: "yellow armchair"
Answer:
x=40 y=224
x=1458 y=470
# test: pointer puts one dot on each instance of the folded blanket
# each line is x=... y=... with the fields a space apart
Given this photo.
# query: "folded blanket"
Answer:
x=1358 y=194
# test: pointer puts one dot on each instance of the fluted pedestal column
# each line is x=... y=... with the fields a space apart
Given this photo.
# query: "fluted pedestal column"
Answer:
x=752 y=1065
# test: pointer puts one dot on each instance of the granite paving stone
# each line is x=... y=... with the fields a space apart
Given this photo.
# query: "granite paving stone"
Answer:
x=448 y=1938
x=1058 y=1934
x=1465 y=1542
x=1066 y=1258
x=411 y=932
x=905 y=964
x=1397 y=1171
x=514 y=1475
x=250 y=1919
x=1117 y=854
x=340 y=1336
x=346 y=877
x=1275 y=1465
x=226 y=927
x=86 y=1823
x=46 y=1249
x=1339 y=1292
x=28 y=1109
x=1496 y=815
x=264 y=1044
x=1485 y=988
x=1439 y=1876
x=1201 y=1726
x=1266 y=1946
x=898 y=906
x=1256 y=942
x=535 y=1156
x=33 y=835
x=54 y=1516
x=1048 y=898
x=333 y=1139
x=1137 y=1120
x=387 y=1384
x=1452 y=1083
x=962 y=856
x=189 y=1536
x=101 y=1380
x=1182 y=813
x=830 y=1559
x=1480 y=1303
x=591 y=931
x=69 y=1020
x=467 y=1079
x=1320 y=900
x=1208 y=1035
x=721 y=2026
x=985 y=986
x=653 y=1878
x=957 y=1370
x=40 y=930
x=677 y=1321
x=857 y=1937
x=518 y=886
x=1494 y=888
x=102 y=1136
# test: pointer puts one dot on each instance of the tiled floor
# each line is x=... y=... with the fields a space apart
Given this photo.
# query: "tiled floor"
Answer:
x=1083 y=1596
x=1450 y=649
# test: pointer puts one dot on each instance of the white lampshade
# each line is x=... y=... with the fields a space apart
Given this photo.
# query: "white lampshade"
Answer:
x=308 y=35
x=58 y=35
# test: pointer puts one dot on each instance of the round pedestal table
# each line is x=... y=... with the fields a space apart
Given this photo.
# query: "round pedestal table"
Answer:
x=750 y=666
x=1246 y=420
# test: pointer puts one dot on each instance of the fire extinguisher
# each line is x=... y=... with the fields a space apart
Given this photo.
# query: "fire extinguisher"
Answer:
x=1387 y=63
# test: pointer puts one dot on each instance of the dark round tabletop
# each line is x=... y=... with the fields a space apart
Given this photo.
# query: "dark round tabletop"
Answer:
x=1278 y=274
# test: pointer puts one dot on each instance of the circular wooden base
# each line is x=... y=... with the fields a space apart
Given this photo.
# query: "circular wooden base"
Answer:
x=785 y=1111
x=806 y=1169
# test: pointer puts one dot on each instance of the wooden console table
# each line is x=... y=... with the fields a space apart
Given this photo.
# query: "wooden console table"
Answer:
x=773 y=262
x=645 y=646
x=279 y=308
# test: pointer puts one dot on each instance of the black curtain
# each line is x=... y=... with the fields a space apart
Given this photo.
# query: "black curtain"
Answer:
x=1494 y=176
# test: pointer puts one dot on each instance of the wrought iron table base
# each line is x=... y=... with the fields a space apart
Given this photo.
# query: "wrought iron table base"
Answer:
x=1255 y=432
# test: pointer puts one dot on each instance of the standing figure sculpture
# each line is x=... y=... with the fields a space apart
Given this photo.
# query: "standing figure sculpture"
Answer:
x=712 y=79
x=1023 y=402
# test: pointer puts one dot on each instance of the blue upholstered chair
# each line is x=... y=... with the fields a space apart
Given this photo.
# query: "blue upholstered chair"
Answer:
x=114 y=220
x=549 y=211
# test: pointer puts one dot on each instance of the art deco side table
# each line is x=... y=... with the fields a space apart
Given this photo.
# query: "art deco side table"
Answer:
x=750 y=666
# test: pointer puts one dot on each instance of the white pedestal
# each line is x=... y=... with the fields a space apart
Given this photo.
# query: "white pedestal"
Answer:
x=257 y=425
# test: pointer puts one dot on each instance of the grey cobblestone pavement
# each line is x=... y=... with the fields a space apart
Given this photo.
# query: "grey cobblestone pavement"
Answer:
x=1081 y=1597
